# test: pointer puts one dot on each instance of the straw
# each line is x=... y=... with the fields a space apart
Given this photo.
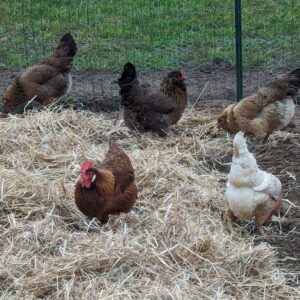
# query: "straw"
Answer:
x=172 y=245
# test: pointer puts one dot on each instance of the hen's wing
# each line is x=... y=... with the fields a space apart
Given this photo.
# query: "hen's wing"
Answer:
x=118 y=162
x=124 y=201
x=44 y=81
x=270 y=185
x=144 y=100
x=280 y=89
x=158 y=102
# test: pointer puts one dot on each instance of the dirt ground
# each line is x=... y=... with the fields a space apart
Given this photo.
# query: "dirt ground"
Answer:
x=96 y=92
x=281 y=158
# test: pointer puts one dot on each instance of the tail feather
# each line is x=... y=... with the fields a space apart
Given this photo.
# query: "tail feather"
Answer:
x=126 y=82
x=281 y=88
x=296 y=72
x=129 y=73
x=67 y=46
x=14 y=94
x=293 y=82
x=113 y=145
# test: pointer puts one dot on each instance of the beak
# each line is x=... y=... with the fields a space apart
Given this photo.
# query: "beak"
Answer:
x=94 y=178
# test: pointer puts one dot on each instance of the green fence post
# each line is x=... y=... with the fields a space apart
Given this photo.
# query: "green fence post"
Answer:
x=238 y=50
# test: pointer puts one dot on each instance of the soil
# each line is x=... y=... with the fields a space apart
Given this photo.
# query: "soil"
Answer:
x=282 y=159
x=95 y=91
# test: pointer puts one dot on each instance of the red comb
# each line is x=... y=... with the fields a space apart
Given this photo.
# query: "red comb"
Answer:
x=85 y=166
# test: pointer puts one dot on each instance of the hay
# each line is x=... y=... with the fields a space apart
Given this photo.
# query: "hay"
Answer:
x=173 y=245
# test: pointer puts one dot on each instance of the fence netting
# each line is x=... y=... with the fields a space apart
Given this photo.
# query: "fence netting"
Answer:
x=197 y=35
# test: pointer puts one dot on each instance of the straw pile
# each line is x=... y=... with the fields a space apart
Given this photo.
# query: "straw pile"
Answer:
x=173 y=245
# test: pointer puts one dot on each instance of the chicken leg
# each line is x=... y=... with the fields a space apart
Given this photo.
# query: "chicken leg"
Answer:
x=229 y=218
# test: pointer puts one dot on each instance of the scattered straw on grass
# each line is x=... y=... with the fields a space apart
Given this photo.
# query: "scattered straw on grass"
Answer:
x=173 y=245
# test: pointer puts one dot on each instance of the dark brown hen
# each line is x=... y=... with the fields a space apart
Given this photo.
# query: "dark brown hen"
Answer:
x=45 y=82
x=144 y=109
x=107 y=189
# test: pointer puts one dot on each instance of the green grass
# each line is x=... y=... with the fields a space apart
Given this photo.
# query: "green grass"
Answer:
x=153 y=34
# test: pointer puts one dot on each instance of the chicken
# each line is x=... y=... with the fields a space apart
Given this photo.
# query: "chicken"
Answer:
x=42 y=83
x=144 y=109
x=270 y=108
x=250 y=191
x=108 y=189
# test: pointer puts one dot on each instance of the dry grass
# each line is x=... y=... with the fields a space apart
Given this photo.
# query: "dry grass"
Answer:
x=172 y=246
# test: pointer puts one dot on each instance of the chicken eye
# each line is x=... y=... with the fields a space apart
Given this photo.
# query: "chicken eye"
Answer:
x=89 y=174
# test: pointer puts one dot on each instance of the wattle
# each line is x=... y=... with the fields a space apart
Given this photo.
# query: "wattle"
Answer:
x=87 y=184
x=269 y=219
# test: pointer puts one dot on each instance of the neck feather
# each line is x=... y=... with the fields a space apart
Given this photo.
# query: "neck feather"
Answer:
x=175 y=92
x=105 y=181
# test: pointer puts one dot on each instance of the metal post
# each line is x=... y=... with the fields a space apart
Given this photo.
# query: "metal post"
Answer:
x=238 y=50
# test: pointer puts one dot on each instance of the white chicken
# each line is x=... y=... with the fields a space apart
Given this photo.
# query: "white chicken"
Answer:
x=250 y=192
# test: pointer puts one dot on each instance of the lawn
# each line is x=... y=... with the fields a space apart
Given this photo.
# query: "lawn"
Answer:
x=153 y=34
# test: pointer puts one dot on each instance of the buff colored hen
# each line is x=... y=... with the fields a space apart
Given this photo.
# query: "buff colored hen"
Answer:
x=270 y=108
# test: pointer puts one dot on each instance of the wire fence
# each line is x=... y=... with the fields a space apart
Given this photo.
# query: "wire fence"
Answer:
x=152 y=34
x=156 y=35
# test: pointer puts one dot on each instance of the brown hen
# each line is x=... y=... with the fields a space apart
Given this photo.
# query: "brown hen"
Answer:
x=144 y=109
x=271 y=107
x=107 y=189
x=45 y=82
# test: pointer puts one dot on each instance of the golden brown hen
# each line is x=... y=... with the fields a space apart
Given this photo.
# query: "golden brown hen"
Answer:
x=108 y=189
x=144 y=109
x=45 y=82
x=270 y=108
